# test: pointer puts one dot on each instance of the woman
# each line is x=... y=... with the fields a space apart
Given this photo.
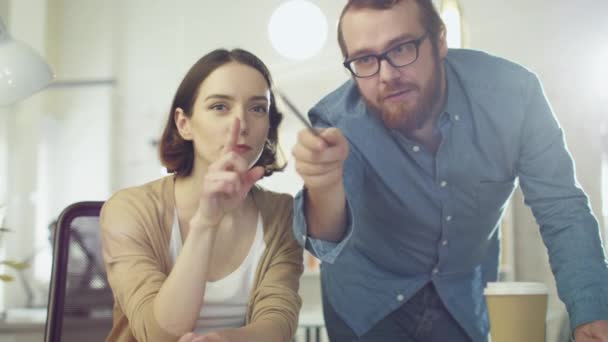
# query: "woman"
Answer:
x=205 y=250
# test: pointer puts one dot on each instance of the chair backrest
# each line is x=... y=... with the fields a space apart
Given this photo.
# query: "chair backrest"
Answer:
x=79 y=293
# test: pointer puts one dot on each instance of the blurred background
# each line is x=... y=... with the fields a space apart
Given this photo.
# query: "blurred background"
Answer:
x=118 y=63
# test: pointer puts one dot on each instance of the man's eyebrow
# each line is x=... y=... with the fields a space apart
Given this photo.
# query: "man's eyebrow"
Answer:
x=404 y=38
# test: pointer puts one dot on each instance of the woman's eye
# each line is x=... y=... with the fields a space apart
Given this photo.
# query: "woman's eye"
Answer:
x=219 y=107
x=259 y=109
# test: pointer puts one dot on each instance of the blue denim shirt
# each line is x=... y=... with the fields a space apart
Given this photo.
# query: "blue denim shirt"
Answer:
x=414 y=217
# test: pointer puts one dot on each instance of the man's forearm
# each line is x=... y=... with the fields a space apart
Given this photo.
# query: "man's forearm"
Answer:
x=326 y=213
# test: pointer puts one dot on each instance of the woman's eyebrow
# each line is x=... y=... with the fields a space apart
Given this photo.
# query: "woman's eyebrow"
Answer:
x=258 y=98
x=219 y=96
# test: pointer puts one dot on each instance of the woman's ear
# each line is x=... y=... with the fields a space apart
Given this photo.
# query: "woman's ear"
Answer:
x=183 y=124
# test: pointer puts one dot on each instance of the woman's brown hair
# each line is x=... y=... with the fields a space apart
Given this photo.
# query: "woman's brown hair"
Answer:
x=177 y=154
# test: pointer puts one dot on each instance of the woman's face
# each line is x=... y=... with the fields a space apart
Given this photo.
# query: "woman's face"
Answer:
x=232 y=91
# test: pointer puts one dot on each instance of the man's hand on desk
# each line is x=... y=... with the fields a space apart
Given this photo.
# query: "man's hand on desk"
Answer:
x=596 y=331
x=211 y=337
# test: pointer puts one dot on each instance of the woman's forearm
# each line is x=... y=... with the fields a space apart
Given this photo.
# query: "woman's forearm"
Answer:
x=178 y=303
x=262 y=331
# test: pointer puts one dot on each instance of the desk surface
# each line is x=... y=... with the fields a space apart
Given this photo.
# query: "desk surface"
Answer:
x=28 y=320
x=20 y=320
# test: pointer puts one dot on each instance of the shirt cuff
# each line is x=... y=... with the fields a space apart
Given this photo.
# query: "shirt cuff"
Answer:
x=326 y=251
x=592 y=306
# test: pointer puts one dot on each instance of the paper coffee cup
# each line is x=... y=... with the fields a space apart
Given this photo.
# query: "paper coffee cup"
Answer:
x=517 y=311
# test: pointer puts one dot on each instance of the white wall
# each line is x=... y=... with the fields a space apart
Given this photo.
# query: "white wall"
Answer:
x=4 y=11
x=4 y=113
x=3 y=184
x=79 y=116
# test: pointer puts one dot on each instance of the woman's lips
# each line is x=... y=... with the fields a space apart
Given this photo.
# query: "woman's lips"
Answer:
x=242 y=148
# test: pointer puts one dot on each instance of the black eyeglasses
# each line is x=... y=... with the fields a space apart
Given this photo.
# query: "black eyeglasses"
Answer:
x=398 y=56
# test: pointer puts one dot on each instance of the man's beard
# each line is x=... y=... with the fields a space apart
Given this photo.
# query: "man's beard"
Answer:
x=406 y=116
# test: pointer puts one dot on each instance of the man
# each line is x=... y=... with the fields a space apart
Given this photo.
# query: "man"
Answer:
x=405 y=186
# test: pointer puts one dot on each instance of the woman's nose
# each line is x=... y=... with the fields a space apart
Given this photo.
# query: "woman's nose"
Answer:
x=244 y=124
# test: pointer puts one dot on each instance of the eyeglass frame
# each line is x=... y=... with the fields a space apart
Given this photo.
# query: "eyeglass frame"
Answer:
x=384 y=56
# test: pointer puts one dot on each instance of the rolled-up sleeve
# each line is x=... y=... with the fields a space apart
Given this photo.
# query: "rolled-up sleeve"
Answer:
x=326 y=251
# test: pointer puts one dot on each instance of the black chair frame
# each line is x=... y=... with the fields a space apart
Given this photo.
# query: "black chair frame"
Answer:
x=57 y=289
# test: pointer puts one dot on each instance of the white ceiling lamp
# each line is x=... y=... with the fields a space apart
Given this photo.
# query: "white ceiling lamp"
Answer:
x=22 y=70
x=297 y=29
x=451 y=14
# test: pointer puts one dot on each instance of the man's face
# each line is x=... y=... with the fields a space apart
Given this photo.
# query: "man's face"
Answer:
x=404 y=97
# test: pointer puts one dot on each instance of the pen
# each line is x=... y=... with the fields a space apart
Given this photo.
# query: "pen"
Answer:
x=295 y=111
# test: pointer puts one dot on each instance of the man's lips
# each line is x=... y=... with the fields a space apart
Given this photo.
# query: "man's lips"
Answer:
x=399 y=96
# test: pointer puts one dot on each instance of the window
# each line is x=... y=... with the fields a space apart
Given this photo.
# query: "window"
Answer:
x=451 y=13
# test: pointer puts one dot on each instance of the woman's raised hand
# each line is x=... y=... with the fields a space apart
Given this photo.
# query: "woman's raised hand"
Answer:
x=226 y=183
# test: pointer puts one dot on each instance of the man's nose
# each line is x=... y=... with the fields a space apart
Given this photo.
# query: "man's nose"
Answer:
x=387 y=71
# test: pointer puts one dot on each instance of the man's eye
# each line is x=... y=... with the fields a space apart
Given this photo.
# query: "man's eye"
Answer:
x=366 y=60
x=401 y=49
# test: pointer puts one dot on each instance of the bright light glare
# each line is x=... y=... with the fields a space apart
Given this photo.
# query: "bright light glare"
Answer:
x=450 y=13
x=297 y=29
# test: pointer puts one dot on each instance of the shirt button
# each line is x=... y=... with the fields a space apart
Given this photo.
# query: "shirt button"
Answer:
x=456 y=117
x=416 y=148
x=400 y=297
x=435 y=270
x=448 y=218
x=443 y=184
x=444 y=242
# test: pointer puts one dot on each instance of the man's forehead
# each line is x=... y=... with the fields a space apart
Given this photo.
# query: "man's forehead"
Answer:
x=370 y=29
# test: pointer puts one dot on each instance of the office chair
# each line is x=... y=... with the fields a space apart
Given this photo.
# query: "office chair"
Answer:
x=80 y=299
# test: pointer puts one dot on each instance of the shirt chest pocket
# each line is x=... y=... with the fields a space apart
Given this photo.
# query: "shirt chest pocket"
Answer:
x=492 y=196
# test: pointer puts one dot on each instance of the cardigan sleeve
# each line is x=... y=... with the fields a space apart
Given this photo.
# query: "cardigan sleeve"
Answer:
x=134 y=272
x=276 y=297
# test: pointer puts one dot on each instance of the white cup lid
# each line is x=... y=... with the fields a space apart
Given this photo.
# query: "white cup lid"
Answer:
x=515 y=288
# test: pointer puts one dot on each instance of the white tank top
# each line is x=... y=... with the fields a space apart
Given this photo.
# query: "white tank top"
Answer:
x=225 y=301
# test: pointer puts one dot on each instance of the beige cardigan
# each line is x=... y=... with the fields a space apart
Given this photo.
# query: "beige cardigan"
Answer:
x=136 y=230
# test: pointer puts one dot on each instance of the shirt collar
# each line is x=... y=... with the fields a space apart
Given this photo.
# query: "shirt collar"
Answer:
x=456 y=104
